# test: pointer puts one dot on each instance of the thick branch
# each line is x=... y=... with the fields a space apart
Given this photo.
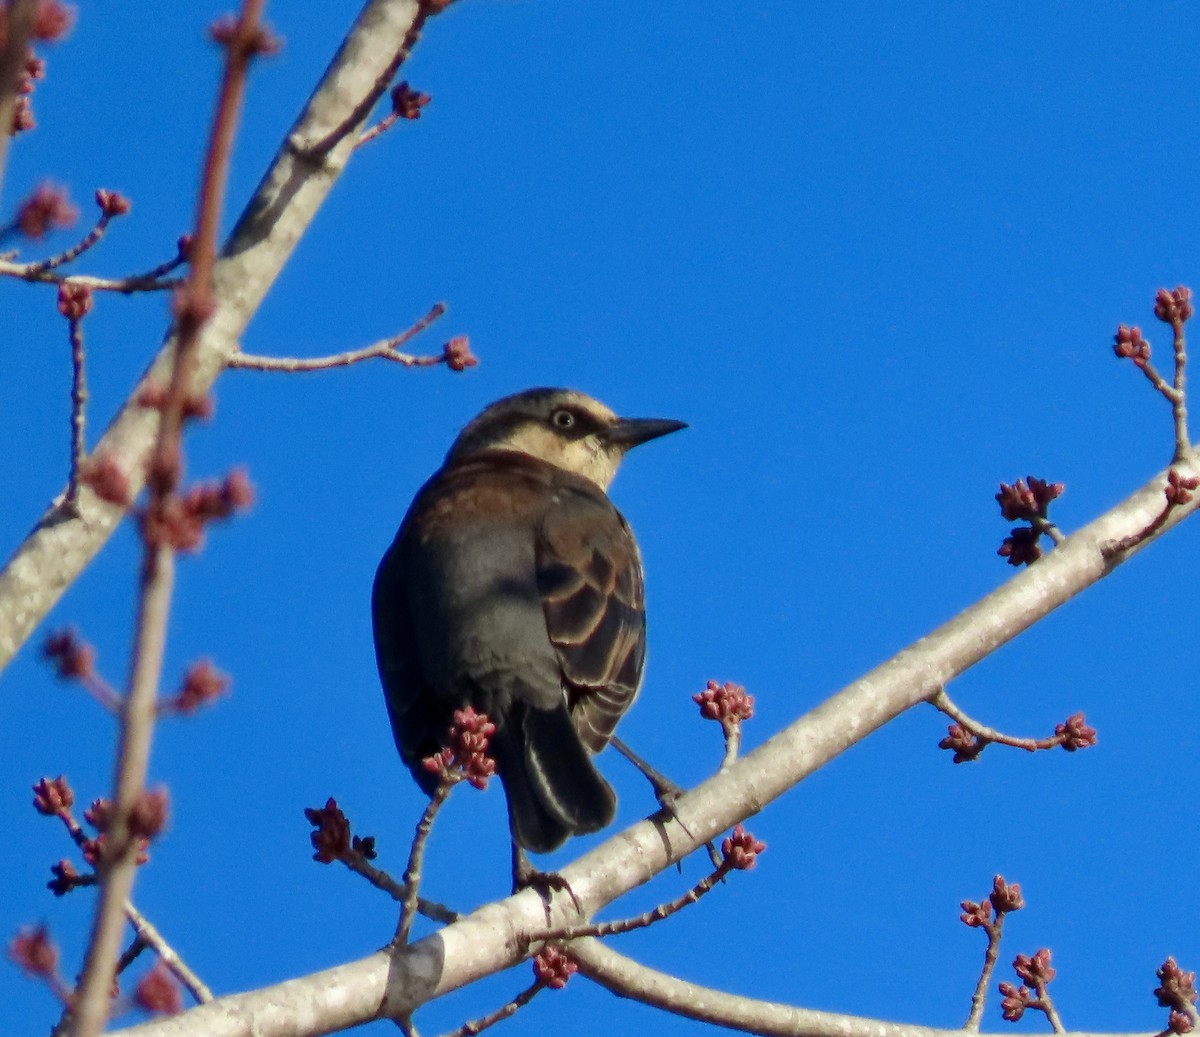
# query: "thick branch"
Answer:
x=60 y=545
x=394 y=984
x=627 y=978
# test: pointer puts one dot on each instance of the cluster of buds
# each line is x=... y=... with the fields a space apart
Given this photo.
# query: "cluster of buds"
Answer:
x=52 y=20
x=457 y=354
x=740 y=850
x=245 y=41
x=1026 y=501
x=1036 y=971
x=407 y=102
x=1173 y=306
x=1074 y=733
x=72 y=657
x=465 y=757
x=54 y=797
x=158 y=992
x=1004 y=897
x=1176 y=991
x=1129 y=344
x=180 y=521
x=146 y=819
x=103 y=474
x=74 y=300
x=332 y=839
x=966 y=745
x=112 y=204
x=552 y=968
x=35 y=953
x=22 y=116
x=726 y=703
x=203 y=683
x=1179 y=488
x=48 y=208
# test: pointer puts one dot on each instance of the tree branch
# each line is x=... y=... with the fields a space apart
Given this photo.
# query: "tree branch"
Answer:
x=59 y=546
x=392 y=985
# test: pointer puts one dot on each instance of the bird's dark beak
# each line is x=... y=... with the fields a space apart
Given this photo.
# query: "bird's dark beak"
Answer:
x=630 y=432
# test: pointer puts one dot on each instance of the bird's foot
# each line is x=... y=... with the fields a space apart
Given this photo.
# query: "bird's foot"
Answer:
x=526 y=876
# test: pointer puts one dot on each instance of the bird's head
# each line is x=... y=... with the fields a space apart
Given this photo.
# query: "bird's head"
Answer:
x=565 y=428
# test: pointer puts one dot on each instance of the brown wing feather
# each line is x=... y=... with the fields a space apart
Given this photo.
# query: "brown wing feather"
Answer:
x=590 y=578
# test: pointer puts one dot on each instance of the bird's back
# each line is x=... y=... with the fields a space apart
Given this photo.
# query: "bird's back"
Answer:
x=515 y=587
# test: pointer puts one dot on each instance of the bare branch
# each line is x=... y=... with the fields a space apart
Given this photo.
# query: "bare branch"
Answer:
x=195 y=304
x=416 y=857
x=152 y=938
x=393 y=984
x=59 y=547
x=386 y=349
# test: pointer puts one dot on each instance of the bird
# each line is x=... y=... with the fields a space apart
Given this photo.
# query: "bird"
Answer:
x=515 y=586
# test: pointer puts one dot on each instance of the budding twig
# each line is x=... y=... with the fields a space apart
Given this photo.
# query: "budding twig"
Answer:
x=333 y=841
x=319 y=149
x=194 y=305
x=739 y=853
x=505 y=1011
x=152 y=938
x=74 y=303
x=968 y=737
x=1005 y=897
x=454 y=355
x=416 y=859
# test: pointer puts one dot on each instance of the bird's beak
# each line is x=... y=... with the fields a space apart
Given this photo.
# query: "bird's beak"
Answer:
x=630 y=432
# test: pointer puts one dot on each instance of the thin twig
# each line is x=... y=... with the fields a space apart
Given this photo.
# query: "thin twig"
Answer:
x=380 y=128
x=119 y=865
x=145 y=931
x=416 y=858
x=79 y=398
x=1158 y=381
x=1044 y=525
x=1046 y=1004
x=152 y=938
x=386 y=349
x=469 y=1029
x=130 y=954
x=380 y=879
x=42 y=266
x=151 y=281
x=626 y=925
x=1179 y=403
x=942 y=702
x=360 y=112
x=733 y=742
x=995 y=930
x=158 y=565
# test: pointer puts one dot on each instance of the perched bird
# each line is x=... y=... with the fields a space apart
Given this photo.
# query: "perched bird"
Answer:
x=515 y=586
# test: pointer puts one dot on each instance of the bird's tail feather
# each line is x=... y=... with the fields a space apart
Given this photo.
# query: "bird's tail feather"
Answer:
x=554 y=790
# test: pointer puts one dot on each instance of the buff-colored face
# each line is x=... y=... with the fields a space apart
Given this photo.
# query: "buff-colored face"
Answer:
x=559 y=426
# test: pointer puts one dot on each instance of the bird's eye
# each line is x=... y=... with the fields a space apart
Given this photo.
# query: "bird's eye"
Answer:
x=562 y=419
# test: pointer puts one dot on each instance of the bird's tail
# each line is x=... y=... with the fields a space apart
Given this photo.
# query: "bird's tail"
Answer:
x=554 y=790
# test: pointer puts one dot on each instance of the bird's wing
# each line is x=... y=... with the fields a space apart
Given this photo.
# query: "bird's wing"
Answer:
x=589 y=574
x=417 y=728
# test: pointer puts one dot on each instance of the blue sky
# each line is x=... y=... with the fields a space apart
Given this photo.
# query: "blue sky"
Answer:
x=874 y=258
